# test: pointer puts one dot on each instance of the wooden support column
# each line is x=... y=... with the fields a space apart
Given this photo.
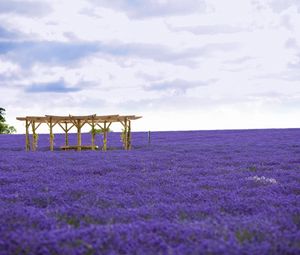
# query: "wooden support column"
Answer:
x=66 y=134
x=34 y=136
x=125 y=135
x=149 y=137
x=129 y=135
x=79 y=135
x=93 y=134
x=66 y=130
x=27 y=124
x=51 y=135
x=104 y=148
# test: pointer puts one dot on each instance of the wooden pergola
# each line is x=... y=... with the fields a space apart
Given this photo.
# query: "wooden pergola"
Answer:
x=68 y=122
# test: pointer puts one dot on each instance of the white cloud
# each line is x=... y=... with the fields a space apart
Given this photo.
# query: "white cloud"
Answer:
x=213 y=64
x=154 y=8
x=27 y=8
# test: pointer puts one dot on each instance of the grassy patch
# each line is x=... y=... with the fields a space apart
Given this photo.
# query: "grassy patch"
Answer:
x=245 y=235
x=252 y=168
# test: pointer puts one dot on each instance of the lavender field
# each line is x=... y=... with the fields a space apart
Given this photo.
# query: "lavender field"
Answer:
x=200 y=192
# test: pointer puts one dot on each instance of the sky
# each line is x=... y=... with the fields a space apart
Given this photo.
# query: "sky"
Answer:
x=182 y=65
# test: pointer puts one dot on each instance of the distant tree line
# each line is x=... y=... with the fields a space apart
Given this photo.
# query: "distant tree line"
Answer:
x=4 y=127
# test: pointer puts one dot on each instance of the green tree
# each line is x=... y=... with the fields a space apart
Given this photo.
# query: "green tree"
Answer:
x=4 y=127
x=2 y=113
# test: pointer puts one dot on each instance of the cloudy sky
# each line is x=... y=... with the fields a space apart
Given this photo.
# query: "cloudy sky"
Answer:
x=182 y=65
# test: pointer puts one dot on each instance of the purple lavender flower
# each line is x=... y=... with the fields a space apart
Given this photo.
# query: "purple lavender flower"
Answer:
x=201 y=192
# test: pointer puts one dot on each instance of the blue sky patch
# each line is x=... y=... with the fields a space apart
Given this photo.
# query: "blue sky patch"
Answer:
x=51 y=87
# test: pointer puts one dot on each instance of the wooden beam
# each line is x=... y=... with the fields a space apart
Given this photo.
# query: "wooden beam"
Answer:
x=102 y=118
x=70 y=117
x=99 y=126
x=74 y=122
x=70 y=127
x=65 y=129
x=41 y=119
x=83 y=123
x=38 y=126
x=21 y=118
x=75 y=147
x=62 y=127
x=123 y=124
x=53 y=122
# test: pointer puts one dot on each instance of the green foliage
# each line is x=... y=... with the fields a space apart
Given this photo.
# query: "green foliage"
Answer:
x=245 y=235
x=4 y=127
x=252 y=168
x=296 y=219
x=2 y=113
x=35 y=140
x=36 y=137
x=123 y=135
x=70 y=220
x=100 y=131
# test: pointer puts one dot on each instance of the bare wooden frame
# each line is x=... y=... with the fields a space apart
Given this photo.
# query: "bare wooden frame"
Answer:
x=68 y=122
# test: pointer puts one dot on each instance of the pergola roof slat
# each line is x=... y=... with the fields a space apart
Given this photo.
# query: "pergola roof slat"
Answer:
x=88 y=118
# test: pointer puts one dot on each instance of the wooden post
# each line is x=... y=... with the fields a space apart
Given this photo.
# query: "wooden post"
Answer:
x=93 y=134
x=51 y=135
x=129 y=135
x=104 y=137
x=79 y=135
x=34 y=140
x=149 y=137
x=125 y=134
x=27 y=135
x=66 y=134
